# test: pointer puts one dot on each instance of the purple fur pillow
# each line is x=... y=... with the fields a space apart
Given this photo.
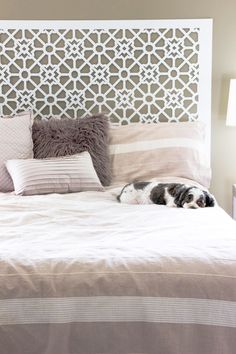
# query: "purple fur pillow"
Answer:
x=61 y=137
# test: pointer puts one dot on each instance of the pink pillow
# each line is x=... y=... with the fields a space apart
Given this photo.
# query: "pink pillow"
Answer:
x=140 y=152
x=67 y=174
x=15 y=143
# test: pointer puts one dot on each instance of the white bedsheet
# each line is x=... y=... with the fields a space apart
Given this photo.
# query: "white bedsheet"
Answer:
x=94 y=225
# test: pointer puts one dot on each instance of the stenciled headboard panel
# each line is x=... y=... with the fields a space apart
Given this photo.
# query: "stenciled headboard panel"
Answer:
x=135 y=71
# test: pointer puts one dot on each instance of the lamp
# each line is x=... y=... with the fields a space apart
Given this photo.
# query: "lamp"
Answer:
x=231 y=111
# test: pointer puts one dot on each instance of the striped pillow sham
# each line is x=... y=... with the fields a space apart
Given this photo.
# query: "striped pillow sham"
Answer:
x=66 y=174
x=146 y=151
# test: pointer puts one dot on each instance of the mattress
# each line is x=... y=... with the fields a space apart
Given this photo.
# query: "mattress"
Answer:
x=81 y=273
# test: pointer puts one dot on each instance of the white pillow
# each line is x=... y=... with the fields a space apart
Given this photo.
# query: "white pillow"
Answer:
x=65 y=174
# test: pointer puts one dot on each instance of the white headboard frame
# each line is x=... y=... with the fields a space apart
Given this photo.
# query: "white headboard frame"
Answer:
x=135 y=71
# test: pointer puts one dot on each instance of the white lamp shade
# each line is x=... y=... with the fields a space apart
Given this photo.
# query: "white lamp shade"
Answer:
x=231 y=111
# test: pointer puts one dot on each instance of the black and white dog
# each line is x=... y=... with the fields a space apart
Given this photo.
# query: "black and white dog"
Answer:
x=169 y=194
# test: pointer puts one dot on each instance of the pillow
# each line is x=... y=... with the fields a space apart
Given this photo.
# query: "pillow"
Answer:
x=15 y=143
x=54 y=175
x=144 y=151
x=60 y=137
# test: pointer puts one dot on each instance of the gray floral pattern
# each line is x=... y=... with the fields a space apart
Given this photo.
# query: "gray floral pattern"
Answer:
x=133 y=75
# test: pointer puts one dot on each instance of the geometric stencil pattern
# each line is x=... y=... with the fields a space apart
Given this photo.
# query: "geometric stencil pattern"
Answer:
x=133 y=75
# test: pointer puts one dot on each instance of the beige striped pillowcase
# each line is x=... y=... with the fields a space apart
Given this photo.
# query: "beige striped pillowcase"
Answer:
x=66 y=174
x=145 y=151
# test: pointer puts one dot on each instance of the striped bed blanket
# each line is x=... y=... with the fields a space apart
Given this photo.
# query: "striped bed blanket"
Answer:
x=83 y=274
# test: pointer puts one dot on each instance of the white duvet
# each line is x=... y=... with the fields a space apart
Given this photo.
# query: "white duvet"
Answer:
x=94 y=225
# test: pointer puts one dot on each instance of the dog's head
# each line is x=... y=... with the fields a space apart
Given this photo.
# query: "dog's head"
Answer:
x=127 y=194
x=194 y=198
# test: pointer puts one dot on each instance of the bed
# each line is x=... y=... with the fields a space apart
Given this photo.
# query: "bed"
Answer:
x=81 y=273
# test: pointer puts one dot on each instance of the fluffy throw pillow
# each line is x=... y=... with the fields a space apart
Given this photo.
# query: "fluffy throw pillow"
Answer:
x=60 y=137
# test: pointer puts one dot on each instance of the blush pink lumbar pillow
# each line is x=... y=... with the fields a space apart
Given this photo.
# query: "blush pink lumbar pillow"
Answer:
x=68 y=174
x=15 y=143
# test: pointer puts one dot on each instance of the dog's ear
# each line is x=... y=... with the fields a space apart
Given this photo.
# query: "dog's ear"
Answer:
x=181 y=194
x=173 y=188
x=209 y=199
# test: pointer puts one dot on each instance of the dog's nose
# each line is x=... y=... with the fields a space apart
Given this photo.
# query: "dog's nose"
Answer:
x=200 y=203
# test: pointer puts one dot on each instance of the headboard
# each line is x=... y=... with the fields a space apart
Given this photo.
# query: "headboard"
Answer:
x=135 y=71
